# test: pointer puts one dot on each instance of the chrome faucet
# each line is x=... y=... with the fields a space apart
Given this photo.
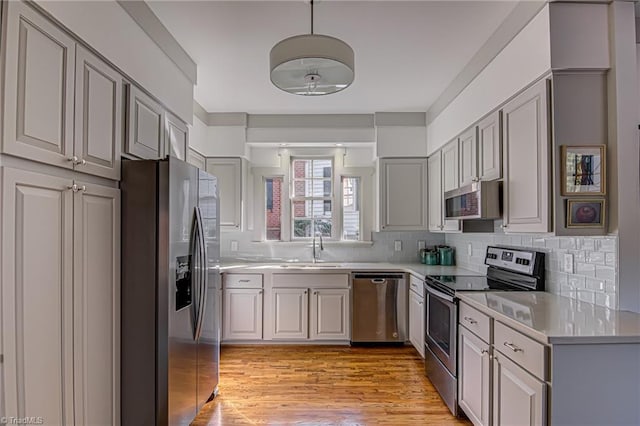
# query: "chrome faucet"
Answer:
x=316 y=253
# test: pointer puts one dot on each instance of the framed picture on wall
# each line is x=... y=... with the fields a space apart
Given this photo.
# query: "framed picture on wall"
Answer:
x=584 y=170
x=586 y=213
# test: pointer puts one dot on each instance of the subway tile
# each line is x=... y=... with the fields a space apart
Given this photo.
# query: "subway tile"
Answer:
x=596 y=257
x=572 y=294
x=539 y=242
x=586 y=296
x=585 y=269
x=595 y=284
x=587 y=244
x=579 y=255
x=611 y=286
x=610 y=259
x=567 y=243
x=608 y=244
x=605 y=272
x=527 y=241
x=552 y=243
x=576 y=281
x=516 y=240
x=606 y=300
x=558 y=277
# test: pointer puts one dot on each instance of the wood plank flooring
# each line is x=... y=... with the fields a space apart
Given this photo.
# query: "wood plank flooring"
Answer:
x=324 y=385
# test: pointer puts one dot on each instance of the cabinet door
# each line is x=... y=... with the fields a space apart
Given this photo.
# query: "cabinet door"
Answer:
x=474 y=387
x=403 y=194
x=434 y=166
x=450 y=163
x=98 y=128
x=469 y=156
x=330 y=314
x=416 y=322
x=490 y=147
x=38 y=100
x=196 y=159
x=229 y=174
x=145 y=138
x=37 y=296
x=527 y=164
x=242 y=314
x=176 y=136
x=96 y=299
x=290 y=311
x=518 y=397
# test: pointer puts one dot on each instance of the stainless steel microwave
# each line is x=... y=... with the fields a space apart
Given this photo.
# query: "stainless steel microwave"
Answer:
x=479 y=200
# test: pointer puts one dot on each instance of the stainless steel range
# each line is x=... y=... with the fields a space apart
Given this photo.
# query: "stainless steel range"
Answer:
x=509 y=270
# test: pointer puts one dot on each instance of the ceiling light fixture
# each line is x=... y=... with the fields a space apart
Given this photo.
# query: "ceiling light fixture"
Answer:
x=312 y=64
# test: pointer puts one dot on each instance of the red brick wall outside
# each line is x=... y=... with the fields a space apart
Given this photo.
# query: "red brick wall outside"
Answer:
x=274 y=226
x=299 y=189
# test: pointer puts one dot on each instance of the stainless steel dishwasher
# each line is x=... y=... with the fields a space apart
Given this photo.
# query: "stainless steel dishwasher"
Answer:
x=378 y=307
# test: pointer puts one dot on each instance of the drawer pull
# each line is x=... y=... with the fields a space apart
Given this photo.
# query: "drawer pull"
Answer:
x=513 y=347
x=484 y=351
x=471 y=320
x=244 y=281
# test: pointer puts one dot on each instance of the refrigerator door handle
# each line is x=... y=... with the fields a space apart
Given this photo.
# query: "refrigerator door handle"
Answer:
x=195 y=276
x=202 y=291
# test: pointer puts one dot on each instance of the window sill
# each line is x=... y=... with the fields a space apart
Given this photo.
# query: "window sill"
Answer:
x=329 y=243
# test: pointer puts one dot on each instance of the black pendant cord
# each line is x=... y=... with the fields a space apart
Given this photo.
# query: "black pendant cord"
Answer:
x=311 y=16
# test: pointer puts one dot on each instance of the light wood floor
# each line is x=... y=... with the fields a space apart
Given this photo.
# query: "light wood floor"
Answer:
x=324 y=385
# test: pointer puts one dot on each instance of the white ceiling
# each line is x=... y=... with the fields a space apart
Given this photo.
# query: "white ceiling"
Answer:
x=407 y=52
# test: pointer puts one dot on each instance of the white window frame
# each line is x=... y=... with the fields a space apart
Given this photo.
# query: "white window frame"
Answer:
x=357 y=199
x=282 y=205
x=293 y=198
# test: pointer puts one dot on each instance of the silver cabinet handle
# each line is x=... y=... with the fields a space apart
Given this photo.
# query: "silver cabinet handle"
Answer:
x=505 y=225
x=315 y=293
x=484 y=351
x=244 y=281
x=513 y=347
x=470 y=320
x=259 y=291
x=476 y=179
x=76 y=161
x=305 y=292
x=77 y=188
x=441 y=226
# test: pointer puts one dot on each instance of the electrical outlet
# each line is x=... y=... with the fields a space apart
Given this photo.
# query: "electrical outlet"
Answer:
x=234 y=246
x=422 y=245
x=397 y=244
x=568 y=263
x=469 y=250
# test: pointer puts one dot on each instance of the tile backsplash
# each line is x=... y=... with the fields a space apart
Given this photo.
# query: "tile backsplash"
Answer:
x=594 y=262
x=380 y=249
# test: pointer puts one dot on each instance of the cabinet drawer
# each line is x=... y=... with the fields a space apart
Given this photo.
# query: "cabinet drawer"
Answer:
x=242 y=281
x=525 y=351
x=321 y=280
x=417 y=285
x=475 y=321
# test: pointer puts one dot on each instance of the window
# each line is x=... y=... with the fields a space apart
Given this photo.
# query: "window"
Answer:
x=312 y=198
x=351 y=217
x=273 y=219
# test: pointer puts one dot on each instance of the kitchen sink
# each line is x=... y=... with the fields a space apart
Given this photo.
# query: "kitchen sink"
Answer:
x=319 y=265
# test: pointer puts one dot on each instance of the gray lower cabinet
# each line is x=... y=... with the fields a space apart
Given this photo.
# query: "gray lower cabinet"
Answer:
x=60 y=299
x=145 y=123
x=474 y=380
x=518 y=397
x=329 y=314
x=39 y=85
x=290 y=311
x=98 y=122
x=242 y=314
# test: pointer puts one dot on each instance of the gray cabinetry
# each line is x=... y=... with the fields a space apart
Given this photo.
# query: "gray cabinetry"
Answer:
x=229 y=174
x=434 y=165
x=469 y=156
x=490 y=147
x=145 y=136
x=403 y=194
x=527 y=162
x=98 y=116
x=176 y=137
x=474 y=387
x=38 y=84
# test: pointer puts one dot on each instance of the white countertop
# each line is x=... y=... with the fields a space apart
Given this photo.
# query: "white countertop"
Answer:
x=417 y=269
x=554 y=319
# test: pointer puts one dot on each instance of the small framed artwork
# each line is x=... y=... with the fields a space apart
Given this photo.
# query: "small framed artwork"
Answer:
x=584 y=170
x=586 y=213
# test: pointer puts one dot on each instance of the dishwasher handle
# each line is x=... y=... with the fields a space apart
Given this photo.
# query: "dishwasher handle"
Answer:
x=378 y=280
x=377 y=276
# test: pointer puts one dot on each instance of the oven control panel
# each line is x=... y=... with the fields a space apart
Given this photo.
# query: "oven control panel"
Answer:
x=515 y=260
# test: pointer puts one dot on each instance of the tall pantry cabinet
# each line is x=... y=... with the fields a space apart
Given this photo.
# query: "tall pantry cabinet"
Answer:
x=60 y=225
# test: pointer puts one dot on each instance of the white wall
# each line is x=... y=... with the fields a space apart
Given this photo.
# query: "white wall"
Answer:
x=522 y=61
x=107 y=28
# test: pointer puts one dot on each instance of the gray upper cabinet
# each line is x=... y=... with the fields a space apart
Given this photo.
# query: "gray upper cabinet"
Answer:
x=98 y=133
x=176 y=137
x=403 y=194
x=196 y=159
x=229 y=174
x=490 y=147
x=469 y=156
x=434 y=165
x=145 y=138
x=450 y=166
x=39 y=80
x=527 y=162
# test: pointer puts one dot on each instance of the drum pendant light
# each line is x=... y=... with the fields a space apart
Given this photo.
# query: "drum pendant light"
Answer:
x=312 y=64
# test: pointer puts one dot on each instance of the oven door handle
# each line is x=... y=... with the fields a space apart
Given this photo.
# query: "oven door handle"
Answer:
x=439 y=294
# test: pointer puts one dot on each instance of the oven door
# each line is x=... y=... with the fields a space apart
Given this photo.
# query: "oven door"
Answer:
x=441 y=327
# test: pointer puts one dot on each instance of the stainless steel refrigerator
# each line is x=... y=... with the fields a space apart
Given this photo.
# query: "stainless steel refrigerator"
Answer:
x=171 y=291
